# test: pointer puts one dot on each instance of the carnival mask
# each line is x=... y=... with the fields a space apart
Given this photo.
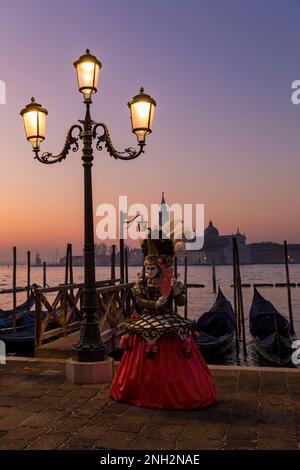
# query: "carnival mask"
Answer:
x=151 y=271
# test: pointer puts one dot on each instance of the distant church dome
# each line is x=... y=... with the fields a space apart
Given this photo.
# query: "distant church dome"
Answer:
x=211 y=232
x=211 y=237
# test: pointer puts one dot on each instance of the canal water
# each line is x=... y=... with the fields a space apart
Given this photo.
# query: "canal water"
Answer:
x=199 y=299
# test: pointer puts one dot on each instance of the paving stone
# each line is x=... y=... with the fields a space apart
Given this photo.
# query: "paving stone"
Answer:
x=243 y=418
x=66 y=404
x=273 y=415
x=10 y=402
x=14 y=417
x=29 y=393
x=115 y=440
x=275 y=389
x=296 y=403
x=205 y=430
x=10 y=381
x=49 y=441
x=222 y=408
x=23 y=433
x=91 y=408
x=225 y=373
x=83 y=393
x=162 y=431
x=57 y=392
x=3 y=411
x=77 y=443
x=92 y=432
x=248 y=387
x=172 y=417
x=103 y=420
x=240 y=444
x=243 y=406
x=273 y=378
x=211 y=416
x=248 y=376
x=115 y=407
x=3 y=434
x=128 y=424
x=13 y=444
x=274 y=399
x=198 y=443
x=68 y=425
x=142 y=443
x=43 y=419
x=242 y=431
x=277 y=432
x=52 y=373
x=276 y=444
x=294 y=389
x=36 y=406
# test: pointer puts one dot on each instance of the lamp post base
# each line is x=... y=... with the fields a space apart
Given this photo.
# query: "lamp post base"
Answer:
x=82 y=354
x=90 y=347
x=89 y=372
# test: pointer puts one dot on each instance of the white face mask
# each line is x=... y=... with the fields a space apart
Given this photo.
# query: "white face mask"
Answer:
x=151 y=271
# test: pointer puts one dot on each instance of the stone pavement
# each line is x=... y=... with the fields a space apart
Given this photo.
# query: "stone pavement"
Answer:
x=257 y=409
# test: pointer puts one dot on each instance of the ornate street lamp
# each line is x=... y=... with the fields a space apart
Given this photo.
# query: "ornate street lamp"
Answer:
x=90 y=347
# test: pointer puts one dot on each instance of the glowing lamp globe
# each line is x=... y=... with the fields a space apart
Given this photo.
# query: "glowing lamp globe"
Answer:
x=141 y=112
x=34 y=116
x=88 y=70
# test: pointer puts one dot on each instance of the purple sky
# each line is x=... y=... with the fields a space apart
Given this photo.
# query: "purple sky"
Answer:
x=225 y=131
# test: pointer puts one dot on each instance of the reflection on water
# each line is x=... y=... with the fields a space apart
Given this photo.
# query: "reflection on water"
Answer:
x=199 y=299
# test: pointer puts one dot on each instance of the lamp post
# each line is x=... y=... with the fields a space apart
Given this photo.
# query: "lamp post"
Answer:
x=90 y=347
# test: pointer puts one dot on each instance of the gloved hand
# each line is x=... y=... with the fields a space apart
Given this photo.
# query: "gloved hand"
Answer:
x=177 y=286
x=161 y=301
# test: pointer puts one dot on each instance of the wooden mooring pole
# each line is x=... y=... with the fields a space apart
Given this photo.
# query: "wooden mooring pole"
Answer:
x=71 y=278
x=121 y=254
x=113 y=263
x=287 y=272
x=236 y=311
x=44 y=274
x=126 y=255
x=240 y=297
x=71 y=263
x=175 y=275
x=213 y=264
x=14 y=288
x=67 y=265
x=28 y=276
x=185 y=288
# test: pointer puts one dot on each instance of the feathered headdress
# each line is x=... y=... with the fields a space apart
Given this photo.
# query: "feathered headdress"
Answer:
x=158 y=251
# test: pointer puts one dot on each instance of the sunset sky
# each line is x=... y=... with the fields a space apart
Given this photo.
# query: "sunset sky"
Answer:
x=225 y=133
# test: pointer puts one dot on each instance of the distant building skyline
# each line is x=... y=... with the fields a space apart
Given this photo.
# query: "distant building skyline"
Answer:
x=217 y=247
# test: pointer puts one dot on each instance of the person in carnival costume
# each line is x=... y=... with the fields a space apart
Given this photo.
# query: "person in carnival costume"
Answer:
x=162 y=366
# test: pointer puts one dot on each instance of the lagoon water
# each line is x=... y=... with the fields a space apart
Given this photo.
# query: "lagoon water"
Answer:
x=199 y=299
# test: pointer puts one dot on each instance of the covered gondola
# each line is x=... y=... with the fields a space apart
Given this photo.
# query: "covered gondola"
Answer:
x=22 y=338
x=20 y=309
x=270 y=331
x=216 y=327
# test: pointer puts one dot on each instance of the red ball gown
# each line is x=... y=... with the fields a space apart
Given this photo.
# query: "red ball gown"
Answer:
x=161 y=366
